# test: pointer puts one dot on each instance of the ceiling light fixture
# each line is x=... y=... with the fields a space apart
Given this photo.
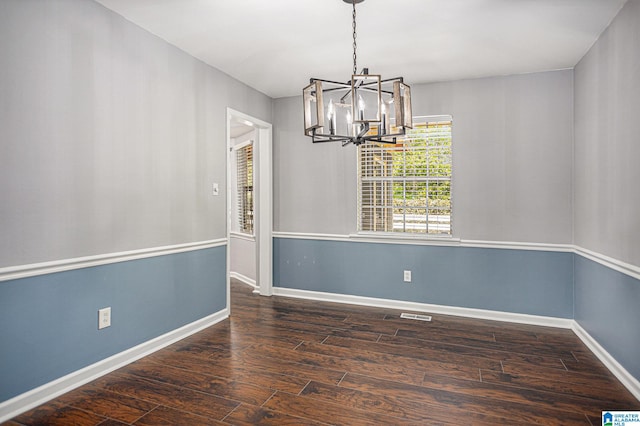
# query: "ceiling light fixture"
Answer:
x=366 y=108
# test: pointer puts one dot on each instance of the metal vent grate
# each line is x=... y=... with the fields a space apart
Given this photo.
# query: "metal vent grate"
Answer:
x=415 y=317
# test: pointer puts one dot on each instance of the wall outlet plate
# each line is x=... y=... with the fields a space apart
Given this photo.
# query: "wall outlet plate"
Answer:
x=407 y=276
x=104 y=318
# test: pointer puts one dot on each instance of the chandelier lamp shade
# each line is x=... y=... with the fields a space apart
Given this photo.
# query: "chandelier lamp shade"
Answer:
x=366 y=108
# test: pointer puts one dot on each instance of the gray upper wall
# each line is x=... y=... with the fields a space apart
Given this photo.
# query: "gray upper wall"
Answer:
x=512 y=161
x=314 y=185
x=607 y=141
x=110 y=138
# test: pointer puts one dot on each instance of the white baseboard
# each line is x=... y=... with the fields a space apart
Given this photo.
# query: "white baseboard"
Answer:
x=31 y=399
x=427 y=308
x=238 y=276
x=35 y=397
x=630 y=382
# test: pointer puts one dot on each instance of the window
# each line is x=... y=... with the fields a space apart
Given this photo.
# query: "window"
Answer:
x=406 y=187
x=244 y=197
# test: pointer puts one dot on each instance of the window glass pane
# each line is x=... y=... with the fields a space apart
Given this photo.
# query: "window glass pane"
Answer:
x=415 y=220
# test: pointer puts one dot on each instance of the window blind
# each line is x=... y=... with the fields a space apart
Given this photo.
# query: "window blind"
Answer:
x=406 y=187
x=244 y=159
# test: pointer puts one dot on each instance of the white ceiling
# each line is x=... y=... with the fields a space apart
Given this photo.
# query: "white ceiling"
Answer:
x=275 y=46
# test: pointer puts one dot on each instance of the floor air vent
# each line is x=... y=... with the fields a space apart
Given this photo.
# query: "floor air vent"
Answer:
x=415 y=317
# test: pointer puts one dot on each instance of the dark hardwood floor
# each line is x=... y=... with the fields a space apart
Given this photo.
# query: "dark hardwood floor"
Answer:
x=283 y=361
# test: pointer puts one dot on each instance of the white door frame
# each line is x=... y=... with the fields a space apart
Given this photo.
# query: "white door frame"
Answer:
x=263 y=201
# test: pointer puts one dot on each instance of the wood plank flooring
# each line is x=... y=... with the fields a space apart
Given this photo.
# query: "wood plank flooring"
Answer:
x=280 y=361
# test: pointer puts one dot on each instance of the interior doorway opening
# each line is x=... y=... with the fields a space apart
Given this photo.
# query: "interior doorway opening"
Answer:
x=249 y=202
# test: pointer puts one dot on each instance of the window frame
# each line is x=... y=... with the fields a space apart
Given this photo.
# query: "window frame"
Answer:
x=419 y=120
x=237 y=209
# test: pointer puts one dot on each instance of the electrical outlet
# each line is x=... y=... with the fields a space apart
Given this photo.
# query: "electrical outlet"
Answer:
x=104 y=318
x=407 y=276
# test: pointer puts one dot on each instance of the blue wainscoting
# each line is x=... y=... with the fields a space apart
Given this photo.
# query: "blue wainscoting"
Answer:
x=516 y=281
x=48 y=323
x=608 y=308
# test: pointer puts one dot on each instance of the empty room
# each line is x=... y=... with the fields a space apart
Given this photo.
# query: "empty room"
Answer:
x=319 y=212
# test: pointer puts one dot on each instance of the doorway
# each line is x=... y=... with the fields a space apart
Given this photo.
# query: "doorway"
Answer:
x=257 y=246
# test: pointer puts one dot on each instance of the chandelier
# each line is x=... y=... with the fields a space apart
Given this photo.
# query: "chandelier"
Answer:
x=366 y=108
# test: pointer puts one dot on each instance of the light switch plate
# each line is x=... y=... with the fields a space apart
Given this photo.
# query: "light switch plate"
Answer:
x=216 y=189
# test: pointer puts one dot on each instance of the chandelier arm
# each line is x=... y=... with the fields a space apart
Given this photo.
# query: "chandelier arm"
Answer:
x=317 y=139
x=337 y=83
x=379 y=139
x=363 y=132
x=386 y=80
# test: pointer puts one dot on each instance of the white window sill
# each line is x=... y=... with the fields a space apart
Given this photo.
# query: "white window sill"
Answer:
x=391 y=237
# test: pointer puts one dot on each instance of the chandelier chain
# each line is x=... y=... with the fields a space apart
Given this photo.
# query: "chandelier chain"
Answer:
x=355 y=45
